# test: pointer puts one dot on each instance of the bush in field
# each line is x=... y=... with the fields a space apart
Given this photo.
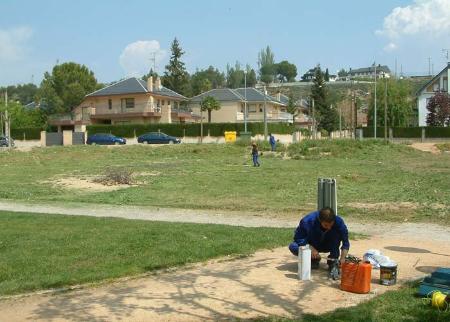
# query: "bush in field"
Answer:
x=116 y=176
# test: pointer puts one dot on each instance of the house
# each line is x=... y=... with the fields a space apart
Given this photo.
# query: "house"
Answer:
x=232 y=106
x=369 y=72
x=439 y=83
x=131 y=100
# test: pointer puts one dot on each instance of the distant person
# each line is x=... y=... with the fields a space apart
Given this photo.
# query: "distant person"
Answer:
x=272 y=141
x=324 y=232
x=255 y=155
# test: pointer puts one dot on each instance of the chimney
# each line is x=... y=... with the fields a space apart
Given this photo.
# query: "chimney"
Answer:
x=158 y=83
x=150 y=84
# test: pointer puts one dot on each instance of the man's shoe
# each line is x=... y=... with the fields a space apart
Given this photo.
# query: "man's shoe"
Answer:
x=315 y=263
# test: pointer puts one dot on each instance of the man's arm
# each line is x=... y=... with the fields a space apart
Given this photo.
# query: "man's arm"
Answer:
x=301 y=234
x=345 y=242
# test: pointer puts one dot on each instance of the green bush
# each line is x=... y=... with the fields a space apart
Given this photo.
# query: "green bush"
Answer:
x=189 y=129
x=26 y=133
x=437 y=132
x=410 y=132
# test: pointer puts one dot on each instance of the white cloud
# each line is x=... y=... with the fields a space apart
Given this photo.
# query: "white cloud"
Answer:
x=430 y=18
x=137 y=58
x=13 y=43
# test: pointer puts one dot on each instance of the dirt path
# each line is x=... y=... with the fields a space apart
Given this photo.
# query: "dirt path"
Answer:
x=247 y=219
x=426 y=147
x=261 y=285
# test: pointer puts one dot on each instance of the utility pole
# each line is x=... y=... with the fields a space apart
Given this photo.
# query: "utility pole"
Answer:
x=265 y=115
x=245 y=100
x=7 y=121
x=340 y=121
x=385 y=109
x=429 y=66
x=153 y=59
x=313 y=120
x=375 y=107
x=201 y=124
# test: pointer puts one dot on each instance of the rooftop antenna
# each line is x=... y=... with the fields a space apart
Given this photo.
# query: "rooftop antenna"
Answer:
x=153 y=59
x=445 y=53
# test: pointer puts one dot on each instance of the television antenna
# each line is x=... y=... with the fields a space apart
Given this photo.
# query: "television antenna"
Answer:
x=445 y=53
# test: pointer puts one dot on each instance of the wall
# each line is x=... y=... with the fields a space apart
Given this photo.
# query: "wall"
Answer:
x=226 y=114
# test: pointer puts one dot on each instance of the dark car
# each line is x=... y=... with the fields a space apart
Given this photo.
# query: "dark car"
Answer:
x=157 y=138
x=4 y=141
x=105 y=139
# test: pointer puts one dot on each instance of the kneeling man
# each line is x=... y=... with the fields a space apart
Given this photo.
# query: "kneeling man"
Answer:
x=324 y=232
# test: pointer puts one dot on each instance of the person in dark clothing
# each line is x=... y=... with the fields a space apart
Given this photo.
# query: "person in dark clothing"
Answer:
x=324 y=232
x=255 y=155
x=272 y=141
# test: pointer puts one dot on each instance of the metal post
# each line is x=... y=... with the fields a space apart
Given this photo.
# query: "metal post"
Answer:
x=265 y=115
x=313 y=120
x=201 y=125
x=7 y=121
x=375 y=107
x=245 y=101
x=340 y=121
x=385 y=109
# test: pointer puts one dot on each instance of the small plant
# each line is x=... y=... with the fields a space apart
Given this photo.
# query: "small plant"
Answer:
x=116 y=176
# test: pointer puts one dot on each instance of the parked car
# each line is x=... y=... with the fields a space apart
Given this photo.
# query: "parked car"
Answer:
x=105 y=139
x=4 y=141
x=157 y=138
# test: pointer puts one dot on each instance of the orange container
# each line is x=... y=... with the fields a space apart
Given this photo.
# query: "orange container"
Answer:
x=356 y=277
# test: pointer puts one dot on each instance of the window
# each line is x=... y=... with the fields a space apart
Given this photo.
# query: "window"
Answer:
x=252 y=108
x=127 y=103
x=260 y=107
x=110 y=104
x=158 y=103
x=163 y=102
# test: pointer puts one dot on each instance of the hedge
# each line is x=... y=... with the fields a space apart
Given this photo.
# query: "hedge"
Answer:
x=409 y=132
x=26 y=133
x=189 y=129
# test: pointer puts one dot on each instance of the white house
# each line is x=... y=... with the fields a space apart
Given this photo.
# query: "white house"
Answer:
x=439 y=83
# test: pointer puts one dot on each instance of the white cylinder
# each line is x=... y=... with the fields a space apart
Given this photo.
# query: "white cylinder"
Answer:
x=304 y=263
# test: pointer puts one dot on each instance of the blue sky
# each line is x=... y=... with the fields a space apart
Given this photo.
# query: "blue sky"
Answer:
x=116 y=38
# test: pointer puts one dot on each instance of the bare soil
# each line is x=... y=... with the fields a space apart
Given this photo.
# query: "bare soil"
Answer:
x=426 y=147
x=260 y=285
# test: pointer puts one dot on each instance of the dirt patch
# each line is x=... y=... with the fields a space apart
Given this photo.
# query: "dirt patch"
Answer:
x=426 y=147
x=86 y=183
x=384 y=205
x=264 y=284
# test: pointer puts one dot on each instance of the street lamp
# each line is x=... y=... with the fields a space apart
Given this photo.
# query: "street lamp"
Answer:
x=265 y=115
x=375 y=106
x=245 y=101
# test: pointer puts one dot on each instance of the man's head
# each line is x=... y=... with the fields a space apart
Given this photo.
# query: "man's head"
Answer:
x=327 y=217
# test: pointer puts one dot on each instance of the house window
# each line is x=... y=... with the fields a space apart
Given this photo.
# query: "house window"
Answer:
x=110 y=104
x=260 y=108
x=127 y=102
x=158 y=103
x=436 y=87
x=163 y=102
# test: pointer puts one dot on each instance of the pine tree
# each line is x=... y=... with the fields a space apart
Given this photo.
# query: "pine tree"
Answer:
x=175 y=76
x=326 y=117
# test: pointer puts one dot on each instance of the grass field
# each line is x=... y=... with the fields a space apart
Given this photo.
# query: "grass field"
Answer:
x=375 y=180
x=393 y=306
x=47 y=251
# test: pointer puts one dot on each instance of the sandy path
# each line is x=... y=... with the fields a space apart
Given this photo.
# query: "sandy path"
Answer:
x=426 y=147
x=263 y=284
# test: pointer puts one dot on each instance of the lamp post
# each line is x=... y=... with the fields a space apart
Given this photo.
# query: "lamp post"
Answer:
x=385 y=108
x=265 y=115
x=245 y=101
x=375 y=107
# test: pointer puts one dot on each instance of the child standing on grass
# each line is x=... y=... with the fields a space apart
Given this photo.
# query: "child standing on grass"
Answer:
x=255 y=155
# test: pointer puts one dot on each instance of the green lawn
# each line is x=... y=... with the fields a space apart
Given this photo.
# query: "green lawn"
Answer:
x=214 y=176
x=392 y=306
x=47 y=251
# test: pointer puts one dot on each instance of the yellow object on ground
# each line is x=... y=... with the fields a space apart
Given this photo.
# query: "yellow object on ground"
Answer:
x=230 y=136
x=438 y=300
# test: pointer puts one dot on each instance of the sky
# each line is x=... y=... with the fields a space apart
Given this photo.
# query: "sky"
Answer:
x=116 y=39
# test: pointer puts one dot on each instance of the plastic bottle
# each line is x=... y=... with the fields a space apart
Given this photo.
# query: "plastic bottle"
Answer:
x=304 y=263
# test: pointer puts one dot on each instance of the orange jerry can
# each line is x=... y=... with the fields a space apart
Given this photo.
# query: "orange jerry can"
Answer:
x=355 y=277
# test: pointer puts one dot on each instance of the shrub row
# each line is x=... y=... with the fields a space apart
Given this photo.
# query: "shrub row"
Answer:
x=409 y=132
x=26 y=133
x=189 y=129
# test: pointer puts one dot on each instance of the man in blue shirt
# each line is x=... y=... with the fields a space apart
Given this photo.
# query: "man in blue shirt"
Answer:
x=324 y=232
x=272 y=141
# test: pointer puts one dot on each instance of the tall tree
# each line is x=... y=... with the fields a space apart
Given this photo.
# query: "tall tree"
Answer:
x=439 y=110
x=292 y=108
x=65 y=87
x=209 y=104
x=327 y=75
x=326 y=117
x=204 y=80
x=150 y=73
x=266 y=64
x=175 y=76
x=400 y=103
x=286 y=71
x=251 y=76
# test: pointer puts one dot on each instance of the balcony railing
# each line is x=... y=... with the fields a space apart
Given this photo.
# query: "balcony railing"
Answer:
x=271 y=117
